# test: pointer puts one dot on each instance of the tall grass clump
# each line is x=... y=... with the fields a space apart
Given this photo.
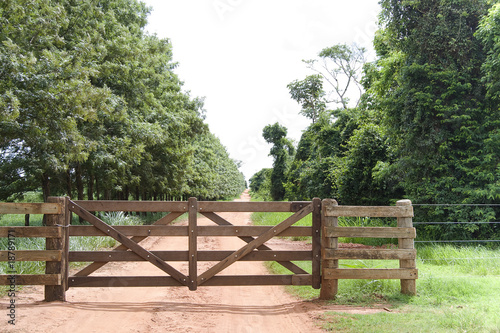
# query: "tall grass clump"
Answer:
x=476 y=260
x=86 y=243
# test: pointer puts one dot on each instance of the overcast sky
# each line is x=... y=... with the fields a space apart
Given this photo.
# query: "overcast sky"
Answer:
x=241 y=54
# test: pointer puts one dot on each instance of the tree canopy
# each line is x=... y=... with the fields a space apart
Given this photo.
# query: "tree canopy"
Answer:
x=88 y=100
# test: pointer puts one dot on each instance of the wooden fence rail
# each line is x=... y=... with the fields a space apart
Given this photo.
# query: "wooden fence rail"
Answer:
x=331 y=253
x=324 y=256
x=54 y=255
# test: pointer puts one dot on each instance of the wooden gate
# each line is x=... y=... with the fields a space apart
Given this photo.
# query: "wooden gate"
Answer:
x=254 y=250
x=324 y=255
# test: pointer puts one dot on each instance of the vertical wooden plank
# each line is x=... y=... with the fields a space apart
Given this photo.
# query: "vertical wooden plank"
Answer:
x=65 y=245
x=58 y=292
x=316 y=243
x=408 y=287
x=329 y=287
x=193 y=235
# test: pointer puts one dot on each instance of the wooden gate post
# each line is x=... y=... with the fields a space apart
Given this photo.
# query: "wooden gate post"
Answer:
x=408 y=287
x=193 y=243
x=58 y=292
x=316 y=243
x=329 y=287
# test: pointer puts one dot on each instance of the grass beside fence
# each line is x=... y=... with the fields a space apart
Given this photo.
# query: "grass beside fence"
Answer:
x=458 y=291
x=94 y=243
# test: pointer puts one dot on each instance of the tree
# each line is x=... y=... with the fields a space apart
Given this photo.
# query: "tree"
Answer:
x=309 y=93
x=260 y=181
x=44 y=91
x=281 y=151
x=88 y=99
x=428 y=85
x=340 y=65
x=212 y=174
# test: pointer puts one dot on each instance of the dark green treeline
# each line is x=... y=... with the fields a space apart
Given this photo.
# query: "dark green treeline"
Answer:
x=90 y=106
x=426 y=127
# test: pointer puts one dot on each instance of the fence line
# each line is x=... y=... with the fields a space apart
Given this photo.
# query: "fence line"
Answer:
x=461 y=241
x=452 y=259
x=455 y=222
x=468 y=205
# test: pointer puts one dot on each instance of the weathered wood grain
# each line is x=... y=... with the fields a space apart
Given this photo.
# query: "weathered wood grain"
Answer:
x=29 y=208
x=369 y=211
x=31 y=255
x=370 y=232
x=362 y=254
x=40 y=232
x=370 y=274
x=166 y=281
x=270 y=255
x=31 y=280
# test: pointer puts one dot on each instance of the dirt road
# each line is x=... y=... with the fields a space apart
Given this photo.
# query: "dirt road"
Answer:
x=167 y=309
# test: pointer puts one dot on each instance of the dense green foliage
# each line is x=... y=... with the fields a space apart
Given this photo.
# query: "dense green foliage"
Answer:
x=309 y=94
x=281 y=151
x=426 y=127
x=88 y=100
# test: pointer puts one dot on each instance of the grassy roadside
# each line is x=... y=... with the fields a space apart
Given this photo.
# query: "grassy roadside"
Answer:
x=458 y=291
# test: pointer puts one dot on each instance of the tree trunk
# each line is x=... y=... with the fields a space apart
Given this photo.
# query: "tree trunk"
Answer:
x=45 y=186
x=126 y=193
x=68 y=182
x=90 y=188
x=46 y=192
x=79 y=181
x=97 y=194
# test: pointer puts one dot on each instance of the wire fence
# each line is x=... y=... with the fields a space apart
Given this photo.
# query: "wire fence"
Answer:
x=453 y=260
x=458 y=241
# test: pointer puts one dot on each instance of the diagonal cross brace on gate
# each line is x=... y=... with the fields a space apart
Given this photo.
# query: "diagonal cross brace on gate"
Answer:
x=167 y=219
x=247 y=239
x=242 y=252
x=124 y=240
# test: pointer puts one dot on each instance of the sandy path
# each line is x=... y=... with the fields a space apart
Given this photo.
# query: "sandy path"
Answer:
x=168 y=309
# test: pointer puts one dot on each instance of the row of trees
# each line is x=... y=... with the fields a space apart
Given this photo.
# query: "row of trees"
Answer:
x=426 y=125
x=90 y=106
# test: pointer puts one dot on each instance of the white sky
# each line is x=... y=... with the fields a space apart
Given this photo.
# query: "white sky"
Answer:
x=241 y=54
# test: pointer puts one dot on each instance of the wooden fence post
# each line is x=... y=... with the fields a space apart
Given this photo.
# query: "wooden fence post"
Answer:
x=329 y=287
x=193 y=243
x=408 y=287
x=58 y=292
x=316 y=243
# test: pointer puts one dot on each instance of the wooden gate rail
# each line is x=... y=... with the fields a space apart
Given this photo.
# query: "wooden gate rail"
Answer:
x=331 y=254
x=55 y=256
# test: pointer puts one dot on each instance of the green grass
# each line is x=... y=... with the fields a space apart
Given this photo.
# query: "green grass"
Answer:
x=262 y=218
x=76 y=243
x=458 y=291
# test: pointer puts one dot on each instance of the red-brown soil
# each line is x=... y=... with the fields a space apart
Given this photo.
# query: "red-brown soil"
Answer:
x=174 y=309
